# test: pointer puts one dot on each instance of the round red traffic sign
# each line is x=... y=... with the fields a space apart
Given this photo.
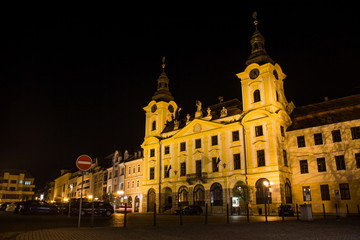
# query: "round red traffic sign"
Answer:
x=83 y=162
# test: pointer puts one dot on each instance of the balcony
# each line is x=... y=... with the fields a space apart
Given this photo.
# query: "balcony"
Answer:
x=192 y=178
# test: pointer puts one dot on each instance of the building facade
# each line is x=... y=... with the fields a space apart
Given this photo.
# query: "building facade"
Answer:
x=16 y=185
x=245 y=153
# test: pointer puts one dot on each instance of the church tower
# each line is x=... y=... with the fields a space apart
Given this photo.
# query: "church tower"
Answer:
x=161 y=109
x=266 y=117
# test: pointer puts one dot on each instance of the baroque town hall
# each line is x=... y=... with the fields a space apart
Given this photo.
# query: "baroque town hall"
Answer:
x=261 y=150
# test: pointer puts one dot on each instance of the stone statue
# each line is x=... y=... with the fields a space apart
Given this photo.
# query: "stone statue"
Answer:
x=223 y=112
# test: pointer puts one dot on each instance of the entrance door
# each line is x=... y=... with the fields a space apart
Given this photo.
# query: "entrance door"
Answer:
x=151 y=200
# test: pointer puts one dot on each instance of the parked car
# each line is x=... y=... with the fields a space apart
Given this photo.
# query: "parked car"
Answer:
x=100 y=208
x=35 y=206
x=190 y=210
x=18 y=205
x=288 y=210
x=4 y=206
x=11 y=207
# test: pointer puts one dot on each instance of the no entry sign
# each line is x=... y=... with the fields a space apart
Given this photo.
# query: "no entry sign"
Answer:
x=83 y=162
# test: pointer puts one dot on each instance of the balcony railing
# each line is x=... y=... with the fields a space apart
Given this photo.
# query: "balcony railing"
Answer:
x=192 y=178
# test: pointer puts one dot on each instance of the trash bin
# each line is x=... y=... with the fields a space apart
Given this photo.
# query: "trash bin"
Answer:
x=306 y=212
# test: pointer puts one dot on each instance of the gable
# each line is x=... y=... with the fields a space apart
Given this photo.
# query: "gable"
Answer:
x=197 y=126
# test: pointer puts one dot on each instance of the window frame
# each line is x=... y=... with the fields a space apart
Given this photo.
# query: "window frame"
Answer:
x=304 y=166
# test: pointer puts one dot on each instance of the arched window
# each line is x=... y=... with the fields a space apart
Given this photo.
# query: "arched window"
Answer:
x=153 y=127
x=216 y=198
x=199 y=195
x=257 y=95
x=183 y=196
x=263 y=194
x=151 y=197
x=288 y=193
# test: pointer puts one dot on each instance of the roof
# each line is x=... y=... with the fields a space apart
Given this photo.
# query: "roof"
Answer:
x=233 y=107
x=15 y=172
x=327 y=112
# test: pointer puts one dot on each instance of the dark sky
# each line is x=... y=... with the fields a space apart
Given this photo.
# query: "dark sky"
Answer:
x=75 y=84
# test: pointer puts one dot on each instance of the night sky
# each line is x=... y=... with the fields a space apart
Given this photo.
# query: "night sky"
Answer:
x=75 y=84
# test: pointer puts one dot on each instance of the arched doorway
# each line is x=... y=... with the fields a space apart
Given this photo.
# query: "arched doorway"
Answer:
x=183 y=196
x=199 y=195
x=136 y=204
x=151 y=200
x=168 y=198
x=288 y=193
x=216 y=198
x=241 y=197
x=129 y=202
x=263 y=194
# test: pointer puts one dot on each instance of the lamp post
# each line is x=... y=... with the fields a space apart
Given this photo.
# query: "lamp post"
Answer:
x=267 y=194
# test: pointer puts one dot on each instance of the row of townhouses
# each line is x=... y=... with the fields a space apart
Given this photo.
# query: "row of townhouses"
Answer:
x=258 y=151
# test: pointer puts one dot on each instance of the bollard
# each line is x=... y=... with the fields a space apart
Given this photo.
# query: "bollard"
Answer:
x=282 y=212
x=297 y=212
x=206 y=213
x=266 y=219
x=336 y=210
x=125 y=214
x=154 y=214
x=247 y=213
x=227 y=213
x=323 y=205
x=180 y=215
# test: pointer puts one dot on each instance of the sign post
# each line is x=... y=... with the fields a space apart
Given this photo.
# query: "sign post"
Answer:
x=83 y=163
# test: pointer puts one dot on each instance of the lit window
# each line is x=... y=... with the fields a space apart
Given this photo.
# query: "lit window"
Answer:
x=306 y=193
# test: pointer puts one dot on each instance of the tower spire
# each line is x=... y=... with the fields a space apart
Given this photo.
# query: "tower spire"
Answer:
x=163 y=93
x=258 y=52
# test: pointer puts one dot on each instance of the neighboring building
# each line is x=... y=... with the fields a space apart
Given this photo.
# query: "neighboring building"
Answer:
x=61 y=185
x=245 y=152
x=324 y=154
x=16 y=185
x=133 y=176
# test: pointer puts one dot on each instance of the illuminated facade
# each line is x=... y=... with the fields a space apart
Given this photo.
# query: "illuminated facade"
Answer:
x=16 y=185
x=236 y=153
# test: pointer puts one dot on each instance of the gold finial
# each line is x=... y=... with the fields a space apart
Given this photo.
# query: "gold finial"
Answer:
x=163 y=63
x=256 y=22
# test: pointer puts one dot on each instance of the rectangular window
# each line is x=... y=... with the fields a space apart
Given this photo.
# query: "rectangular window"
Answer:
x=285 y=158
x=139 y=168
x=258 y=131
x=304 y=166
x=301 y=141
x=182 y=169
x=152 y=173
x=134 y=169
x=166 y=150
x=27 y=182
x=340 y=162
x=318 y=140
x=306 y=193
x=336 y=135
x=235 y=136
x=137 y=183
x=198 y=168
x=325 y=192
x=198 y=143
x=214 y=164
x=344 y=191
x=321 y=164
x=237 y=161
x=152 y=152
x=128 y=184
x=282 y=131
x=357 y=159
x=12 y=181
x=355 y=132
x=182 y=146
x=129 y=170
x=260 y=158
x=132 y=184
x=166 y=171
x=214 y=140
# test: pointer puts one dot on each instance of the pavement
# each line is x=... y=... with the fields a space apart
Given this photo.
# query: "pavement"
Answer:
x=344 y=228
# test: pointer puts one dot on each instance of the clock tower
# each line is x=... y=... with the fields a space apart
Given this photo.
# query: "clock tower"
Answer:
x=161 y=109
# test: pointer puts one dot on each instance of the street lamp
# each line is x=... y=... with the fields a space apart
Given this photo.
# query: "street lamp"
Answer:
x=267 y=193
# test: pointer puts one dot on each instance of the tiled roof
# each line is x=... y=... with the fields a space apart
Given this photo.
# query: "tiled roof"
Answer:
x=327 y=112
